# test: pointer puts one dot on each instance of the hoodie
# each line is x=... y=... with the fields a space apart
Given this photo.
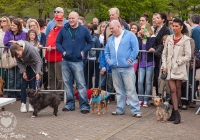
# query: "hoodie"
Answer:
x=128 y=50
x=73 y=46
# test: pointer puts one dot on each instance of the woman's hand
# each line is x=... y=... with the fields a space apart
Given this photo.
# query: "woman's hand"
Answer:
x=13 y=41
x=152 y=50
x=25 y=76
x=164 y=70
x=37 y=76
x=40 y=46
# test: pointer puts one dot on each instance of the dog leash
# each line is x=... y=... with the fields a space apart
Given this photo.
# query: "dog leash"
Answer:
x=30 y=79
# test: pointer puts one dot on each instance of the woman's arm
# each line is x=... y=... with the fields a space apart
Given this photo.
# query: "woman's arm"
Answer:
x=187 y=52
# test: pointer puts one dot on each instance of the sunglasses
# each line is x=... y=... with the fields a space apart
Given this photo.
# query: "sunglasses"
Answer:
x=56 y=11
x=3 y=20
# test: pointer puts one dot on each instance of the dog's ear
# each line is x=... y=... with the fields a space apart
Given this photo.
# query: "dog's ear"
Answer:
x=161 y=100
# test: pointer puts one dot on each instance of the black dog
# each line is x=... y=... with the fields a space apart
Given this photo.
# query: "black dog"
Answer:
x=40 y=101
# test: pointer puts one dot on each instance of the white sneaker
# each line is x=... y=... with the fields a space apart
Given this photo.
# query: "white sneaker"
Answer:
x=23 y=108
x=30 y=108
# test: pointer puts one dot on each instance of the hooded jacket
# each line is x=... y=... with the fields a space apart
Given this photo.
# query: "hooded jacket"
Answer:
x=175 y=57
x=73 y=46
x=128 y=50
x=30 y=56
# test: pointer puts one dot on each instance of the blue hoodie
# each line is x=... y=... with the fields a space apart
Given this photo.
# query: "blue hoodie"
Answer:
x=128 y=50
x=73 y=47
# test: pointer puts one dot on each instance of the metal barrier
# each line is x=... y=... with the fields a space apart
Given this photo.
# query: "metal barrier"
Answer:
x=194 y=77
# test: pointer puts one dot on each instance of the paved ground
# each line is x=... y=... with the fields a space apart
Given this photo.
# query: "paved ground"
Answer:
x=77 y=126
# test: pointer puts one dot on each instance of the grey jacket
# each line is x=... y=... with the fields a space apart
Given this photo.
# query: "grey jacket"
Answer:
x=30 y=56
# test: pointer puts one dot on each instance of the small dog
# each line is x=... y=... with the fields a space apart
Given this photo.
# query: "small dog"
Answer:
x=162 y=109
x=100 y=97
x=40 y=101
x=2 y=84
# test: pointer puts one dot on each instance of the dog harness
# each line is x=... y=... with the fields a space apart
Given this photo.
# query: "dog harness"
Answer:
x=100 y=97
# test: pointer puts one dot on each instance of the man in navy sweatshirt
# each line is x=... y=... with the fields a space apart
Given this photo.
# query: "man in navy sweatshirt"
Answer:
x=73 y=42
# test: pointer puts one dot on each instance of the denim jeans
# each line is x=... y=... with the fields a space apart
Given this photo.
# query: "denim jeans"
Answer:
x=148 y=71
x=55 y=76
x=31 y=76
x=124 y=84
x=14 y=82
x=106 y=82
x=71 y=71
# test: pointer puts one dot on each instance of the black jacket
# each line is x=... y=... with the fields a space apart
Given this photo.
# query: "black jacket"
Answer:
x=163 y=31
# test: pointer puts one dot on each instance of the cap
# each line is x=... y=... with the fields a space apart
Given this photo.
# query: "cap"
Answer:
x=59 y=17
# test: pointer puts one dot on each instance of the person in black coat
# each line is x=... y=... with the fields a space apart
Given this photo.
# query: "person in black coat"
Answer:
x=160 y=31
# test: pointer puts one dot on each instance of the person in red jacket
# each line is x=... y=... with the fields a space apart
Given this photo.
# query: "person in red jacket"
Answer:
x=53 y=56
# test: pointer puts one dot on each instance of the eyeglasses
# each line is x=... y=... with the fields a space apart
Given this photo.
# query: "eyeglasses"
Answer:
x=3 y=20
x=56 y=11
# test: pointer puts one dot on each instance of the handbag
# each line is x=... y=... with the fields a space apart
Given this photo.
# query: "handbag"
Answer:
x=7 y=61
x=163 y=75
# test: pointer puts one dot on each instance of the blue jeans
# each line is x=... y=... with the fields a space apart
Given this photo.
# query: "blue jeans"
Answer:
x=14 y=82
x=148 y=71
x=71 y=71
x=30 y=74
x=124 y=84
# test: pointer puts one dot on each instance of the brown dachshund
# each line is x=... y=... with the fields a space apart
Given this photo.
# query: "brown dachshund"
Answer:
x=2 y=83
x=99 y=97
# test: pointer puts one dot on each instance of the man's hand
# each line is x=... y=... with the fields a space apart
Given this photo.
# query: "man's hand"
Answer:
x=49 y=48
x=102 y=70
x=64 y=53
x=37 y=76
x=82 y=53
x=129 y=61
x=25 y=76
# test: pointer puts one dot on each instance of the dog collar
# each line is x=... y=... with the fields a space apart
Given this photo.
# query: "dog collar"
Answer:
x=97 y=99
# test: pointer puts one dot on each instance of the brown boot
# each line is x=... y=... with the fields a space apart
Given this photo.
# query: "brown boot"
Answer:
x=177 y=117
x=172 y=117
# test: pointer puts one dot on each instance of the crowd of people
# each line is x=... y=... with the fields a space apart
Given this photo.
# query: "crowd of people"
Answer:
x=135 y=56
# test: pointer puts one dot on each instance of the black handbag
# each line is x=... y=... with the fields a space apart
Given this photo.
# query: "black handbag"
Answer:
x=163 y=75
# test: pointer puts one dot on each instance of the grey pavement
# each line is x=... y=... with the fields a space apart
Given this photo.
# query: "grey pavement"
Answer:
x=74 y=125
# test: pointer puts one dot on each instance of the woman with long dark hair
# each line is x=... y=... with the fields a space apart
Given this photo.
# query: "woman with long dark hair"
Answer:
x=176 y=54
x=160 y=31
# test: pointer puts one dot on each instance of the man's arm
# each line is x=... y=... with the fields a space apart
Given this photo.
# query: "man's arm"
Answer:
x=89 y=42
x=59 y=42
x=134 y=48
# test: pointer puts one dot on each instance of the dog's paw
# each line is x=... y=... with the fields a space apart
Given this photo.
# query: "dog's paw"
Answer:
x=33 y=116
x=99 y=114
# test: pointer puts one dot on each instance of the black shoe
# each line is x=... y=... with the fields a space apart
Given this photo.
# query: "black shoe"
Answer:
x=65 y=109
x=85 y=111
x=177 y=119
x=172 y=117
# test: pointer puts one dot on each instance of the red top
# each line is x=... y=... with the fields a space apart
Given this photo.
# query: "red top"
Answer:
x=176 y=41
x=55 y=55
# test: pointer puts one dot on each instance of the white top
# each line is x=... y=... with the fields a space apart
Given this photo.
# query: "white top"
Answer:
x=101 y=39
x=117 y=41
x=1 y=41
